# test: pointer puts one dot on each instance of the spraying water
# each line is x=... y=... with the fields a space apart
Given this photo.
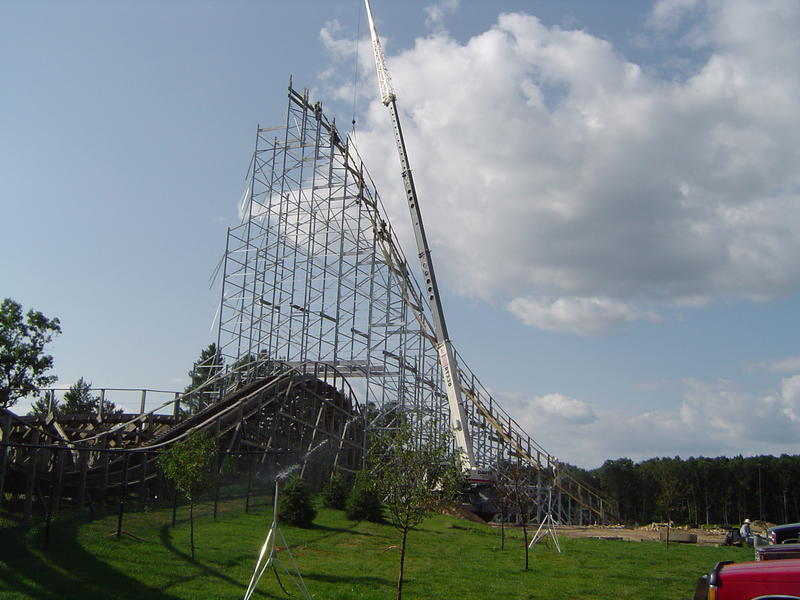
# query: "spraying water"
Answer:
x=287 y=471
x=315 y=448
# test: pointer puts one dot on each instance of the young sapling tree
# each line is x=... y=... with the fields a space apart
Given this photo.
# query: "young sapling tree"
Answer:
x=190 y=465
x=416 y=475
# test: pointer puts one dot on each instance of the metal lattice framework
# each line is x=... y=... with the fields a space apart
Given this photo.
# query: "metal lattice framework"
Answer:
x=314 y=272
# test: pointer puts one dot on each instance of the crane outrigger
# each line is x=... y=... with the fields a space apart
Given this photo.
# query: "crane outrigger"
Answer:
x=447 y=357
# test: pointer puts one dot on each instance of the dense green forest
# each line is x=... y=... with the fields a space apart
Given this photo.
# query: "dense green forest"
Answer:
x=702 y=491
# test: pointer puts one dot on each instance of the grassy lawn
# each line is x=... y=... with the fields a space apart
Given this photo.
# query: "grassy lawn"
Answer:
x=339 y=560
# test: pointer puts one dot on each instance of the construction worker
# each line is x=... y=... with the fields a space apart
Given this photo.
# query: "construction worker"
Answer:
x=746 y=532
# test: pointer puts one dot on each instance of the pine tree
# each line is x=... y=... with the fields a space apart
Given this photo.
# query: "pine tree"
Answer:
x=294 y=504
x=79 y=400
x=334 y=494
x=208 y=365
x=363 y=503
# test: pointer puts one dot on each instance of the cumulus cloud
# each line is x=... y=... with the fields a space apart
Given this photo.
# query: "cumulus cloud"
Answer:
x=587 y=316
x=551 y=167
x=668 y=14
x=435 y=13
x=785 y=365
x=331 y=37
x=564 y=408
x=790 y=396
x=713 y=418
x=550 y=407
x=651 y=386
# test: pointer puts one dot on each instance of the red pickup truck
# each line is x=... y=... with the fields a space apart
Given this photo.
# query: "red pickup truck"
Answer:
x=763 y=580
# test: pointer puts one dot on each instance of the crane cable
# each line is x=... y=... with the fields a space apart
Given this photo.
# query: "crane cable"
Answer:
x=355 y=69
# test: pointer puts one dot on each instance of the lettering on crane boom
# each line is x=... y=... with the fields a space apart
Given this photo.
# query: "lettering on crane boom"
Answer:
x=445 y=362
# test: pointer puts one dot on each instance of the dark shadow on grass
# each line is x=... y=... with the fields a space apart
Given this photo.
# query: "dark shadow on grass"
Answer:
x=69 y=571
x=328 y=532
x=366 y=580
x=428 y=531
x=166 y=541
x=351 y=530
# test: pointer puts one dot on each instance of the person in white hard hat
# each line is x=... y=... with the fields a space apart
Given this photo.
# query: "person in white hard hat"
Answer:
x=746 y=532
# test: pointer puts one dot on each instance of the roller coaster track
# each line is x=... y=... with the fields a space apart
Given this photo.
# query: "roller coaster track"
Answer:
x=274 y=414
x=526 y=451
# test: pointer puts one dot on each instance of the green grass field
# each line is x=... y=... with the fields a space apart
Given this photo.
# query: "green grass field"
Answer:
x=339 y=560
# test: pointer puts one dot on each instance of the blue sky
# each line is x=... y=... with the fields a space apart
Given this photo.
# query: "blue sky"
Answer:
x=611 y=190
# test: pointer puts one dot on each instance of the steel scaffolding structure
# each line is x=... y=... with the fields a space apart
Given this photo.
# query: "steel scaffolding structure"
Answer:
x=315 y=273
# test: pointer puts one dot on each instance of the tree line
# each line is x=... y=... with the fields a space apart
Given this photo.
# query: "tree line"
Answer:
x=702 y=491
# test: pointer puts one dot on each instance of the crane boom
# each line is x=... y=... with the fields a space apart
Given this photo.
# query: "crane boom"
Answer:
x=447 y=358
x=384 y=80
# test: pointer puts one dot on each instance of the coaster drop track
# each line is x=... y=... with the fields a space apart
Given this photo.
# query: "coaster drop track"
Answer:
x=269 y=416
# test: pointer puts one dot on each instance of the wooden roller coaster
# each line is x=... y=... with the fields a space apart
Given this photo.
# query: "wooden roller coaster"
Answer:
x=269 y=416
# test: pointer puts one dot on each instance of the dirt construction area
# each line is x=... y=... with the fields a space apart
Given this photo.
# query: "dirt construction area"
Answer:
x=641 y=534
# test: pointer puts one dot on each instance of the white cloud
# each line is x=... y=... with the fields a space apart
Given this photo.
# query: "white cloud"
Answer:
x=693 y=301
x=586 y=316
x=550 y=167
x=667 y=14
x=786 y=365
x=340 y=48
x=651 y=386
x=435 y=13
x=790 y=396
x=712 y=419
x=564 y=408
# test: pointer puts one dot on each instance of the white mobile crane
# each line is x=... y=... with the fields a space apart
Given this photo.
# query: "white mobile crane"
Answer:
x=447 y=359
